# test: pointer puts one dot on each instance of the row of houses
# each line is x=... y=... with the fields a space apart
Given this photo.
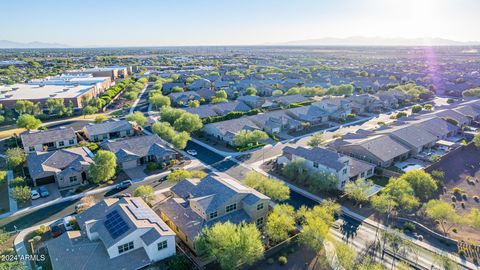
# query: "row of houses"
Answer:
x=55 y=157
x=126 y=232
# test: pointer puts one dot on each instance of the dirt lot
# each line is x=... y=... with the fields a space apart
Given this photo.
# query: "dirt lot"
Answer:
x=461 y=167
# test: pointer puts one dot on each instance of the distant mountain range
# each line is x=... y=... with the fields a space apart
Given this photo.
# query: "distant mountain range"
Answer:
x=7 y=44
x=379 y=41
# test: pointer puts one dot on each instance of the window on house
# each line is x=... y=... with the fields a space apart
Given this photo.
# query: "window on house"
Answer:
x=362 y=174
x=61 y=143
x=73 y=179
x=125 y=247
x=162 y=245
x=259 y=206
x=345 y=171
x=370 y=171
x=315 y=164
x=213 y=215
x=129 y=132
x=259 y=221
x=71 y=142
x=31 y=149
x=231 y=207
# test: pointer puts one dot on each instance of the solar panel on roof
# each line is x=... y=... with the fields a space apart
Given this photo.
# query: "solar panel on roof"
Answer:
x=115 y=224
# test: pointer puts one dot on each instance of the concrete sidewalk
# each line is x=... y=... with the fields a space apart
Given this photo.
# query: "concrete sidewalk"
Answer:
x=13 y=206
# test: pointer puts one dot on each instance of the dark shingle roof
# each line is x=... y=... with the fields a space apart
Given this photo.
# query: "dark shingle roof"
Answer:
x=35 y=137
x=108 y=126
x=140 y=146
x=323 y=156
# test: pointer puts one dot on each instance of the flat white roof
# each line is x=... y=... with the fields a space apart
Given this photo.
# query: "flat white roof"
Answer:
x=69 y=80
x=33 y=92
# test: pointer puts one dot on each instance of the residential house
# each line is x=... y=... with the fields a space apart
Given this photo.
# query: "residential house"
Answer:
x=180 y=98
x=381 y=150
x=336 y=108
x=135 y=151
x=438 y=127
x=415 y=138
x=276 y=122
x=365 y=103
x=108 y=130
x=167 y=87
x=200 y=84
x=228 y=107
x=203 y=111
x=217 y=198
x=319 y=159
x=206 y=93
x=313 y=115
x=286 y=100
x=226 y=130
x=66 y=167
x=114 y=234
x=48 y=140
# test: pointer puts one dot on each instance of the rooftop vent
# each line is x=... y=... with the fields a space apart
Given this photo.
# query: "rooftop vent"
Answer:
x=66 y=89
x=52 y=95
x=14 y=88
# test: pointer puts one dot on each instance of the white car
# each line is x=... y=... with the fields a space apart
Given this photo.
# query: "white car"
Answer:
x=67 y=222
x=35 y=194
x=192 y=152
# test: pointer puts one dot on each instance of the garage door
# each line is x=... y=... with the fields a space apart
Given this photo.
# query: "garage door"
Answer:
x=45 y=180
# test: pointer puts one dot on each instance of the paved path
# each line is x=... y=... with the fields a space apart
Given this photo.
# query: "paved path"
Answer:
x=132 y=109
x=12 y=203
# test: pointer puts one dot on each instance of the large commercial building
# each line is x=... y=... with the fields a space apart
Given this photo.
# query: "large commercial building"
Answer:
x=114 y=72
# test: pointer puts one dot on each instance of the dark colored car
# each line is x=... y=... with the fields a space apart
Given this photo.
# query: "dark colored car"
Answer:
x=124 y=184
x=56 y=231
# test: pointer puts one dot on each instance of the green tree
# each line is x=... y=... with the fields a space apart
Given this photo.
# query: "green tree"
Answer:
x=316 y=224
x=18 y=181
x=225 y=241
x=277 y=93
x=169 y=114
x=316 y=140
x=104 y=166
x=177 y=176
x=473 y=92
x=346 y=255
x=402 y=193
x=400 y=115
x=473 y=218
x=343 y=89
x=422 y=183
x=180 y=140
x=442 y=212
x=100 y=119
x=251 y=91
x=28 y=121
x=247 y=137
x=147 y=193
x=428 y=107
x=138 y=118
x=3 y=176
x=273 y=188
x=15 y=157
x=416 y=108
x=222 y=94
x=22 y=194
x=476 y=140
x=87 y=110
x=280 y=222
x=164 y=130
x=194 y=103
x=383 y=203
x=188 y=122
x=357 y=190
x=159 y=101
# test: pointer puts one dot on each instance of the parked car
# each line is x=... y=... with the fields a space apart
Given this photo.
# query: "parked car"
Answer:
x=192 y=152
x=123 y=195
x=79 y=208
x=35 y=194
x=124 y=184
x=67 y=223
x=43 y=192
x=55 y=231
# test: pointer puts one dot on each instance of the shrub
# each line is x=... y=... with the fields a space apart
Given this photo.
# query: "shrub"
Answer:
x=109 y=182
x=42 y=230
x=461 y=253
x=465 y=196
x=463 y=205
x=457 y=190
x=475 y=198
x=455 y=230
x=454 y=205
x=454 y=199
x=152 y=166
x=409 y=226
x=282 y=260
x=18 y=182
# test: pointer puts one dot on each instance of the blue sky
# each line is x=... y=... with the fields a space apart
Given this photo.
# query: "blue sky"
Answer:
x=232 y=22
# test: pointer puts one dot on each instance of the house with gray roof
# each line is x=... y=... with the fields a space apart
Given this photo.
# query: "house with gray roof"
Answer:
x=285 y=100
x=276 y=122
x=203 y=111
x=228 y=107
x=48 y=140
x=114 y=234
x=136 y=151
x=319 y=159
x=438 y=127
x=226 y=130
x=380 y=149
x=179 y=98
x=196 y=204
x=313 y=115
x=66 y=167
x=108 y=130
x=417 y=139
